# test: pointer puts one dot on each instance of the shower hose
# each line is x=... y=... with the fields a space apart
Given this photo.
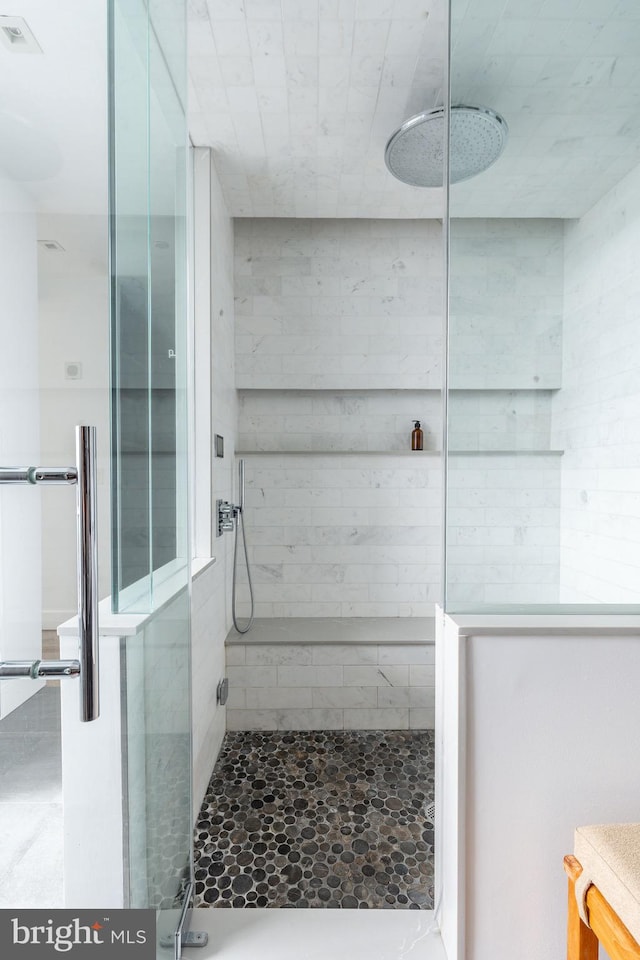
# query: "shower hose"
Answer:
x=240 y=523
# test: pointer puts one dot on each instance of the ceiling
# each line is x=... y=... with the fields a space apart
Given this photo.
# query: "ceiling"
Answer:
x=53 y=122
x=299 y=97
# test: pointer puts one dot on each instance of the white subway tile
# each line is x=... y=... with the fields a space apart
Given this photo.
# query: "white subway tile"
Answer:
x=314 y=719
x=273 y=698
x=252 y=720
x=393 y=697
x=235 y=654
x=422 y=676
x=317 y=676
x=278 y=654
x=252 y=676
x=422 y=719
x=414 y=653
x=344 y=653
x=375 y=676
x=422 y=698
x=378 y=719
x=342 y=697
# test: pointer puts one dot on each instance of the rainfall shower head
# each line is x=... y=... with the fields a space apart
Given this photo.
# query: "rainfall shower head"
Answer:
x=414 y=154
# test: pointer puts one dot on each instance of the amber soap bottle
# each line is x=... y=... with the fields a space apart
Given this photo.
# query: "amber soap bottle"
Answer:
x=417 y=437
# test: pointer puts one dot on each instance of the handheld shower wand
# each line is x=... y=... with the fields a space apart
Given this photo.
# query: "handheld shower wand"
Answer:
x=241 y=485
x=238 y=513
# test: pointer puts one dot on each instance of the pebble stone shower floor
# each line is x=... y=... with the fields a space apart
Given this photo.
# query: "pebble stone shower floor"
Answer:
x=323 y=819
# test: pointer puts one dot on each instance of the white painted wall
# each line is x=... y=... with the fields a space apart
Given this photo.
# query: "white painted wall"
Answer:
x=211 y=597
x=20 y=537
x=93 y=788
x=539 y=744
x=73 y=325
x=596 y=415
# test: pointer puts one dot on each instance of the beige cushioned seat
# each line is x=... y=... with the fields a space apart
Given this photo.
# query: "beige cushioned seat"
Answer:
x=610 y=859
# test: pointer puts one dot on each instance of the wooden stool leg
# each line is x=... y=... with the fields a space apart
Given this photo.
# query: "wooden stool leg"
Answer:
x=582 y=943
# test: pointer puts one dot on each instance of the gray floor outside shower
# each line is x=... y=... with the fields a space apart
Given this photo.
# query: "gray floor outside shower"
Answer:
x=31 y=868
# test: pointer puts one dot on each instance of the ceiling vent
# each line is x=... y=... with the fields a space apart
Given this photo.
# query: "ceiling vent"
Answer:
x=17 y=37
x=52 y=245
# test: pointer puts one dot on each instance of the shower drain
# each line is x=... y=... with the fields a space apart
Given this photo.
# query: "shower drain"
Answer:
x=430 y=813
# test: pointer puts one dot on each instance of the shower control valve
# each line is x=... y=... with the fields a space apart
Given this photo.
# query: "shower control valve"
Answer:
x=225 y=515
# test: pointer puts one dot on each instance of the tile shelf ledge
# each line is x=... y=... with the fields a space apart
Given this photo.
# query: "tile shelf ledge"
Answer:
x=349 y=631
x=339 y=453
x=397 y=453
x=520 y=388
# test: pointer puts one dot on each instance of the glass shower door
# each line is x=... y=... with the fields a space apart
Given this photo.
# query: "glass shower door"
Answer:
x=54 y=375
x=93 y=164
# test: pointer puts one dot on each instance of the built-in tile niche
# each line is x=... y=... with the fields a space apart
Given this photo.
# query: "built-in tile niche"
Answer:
x=378 y=421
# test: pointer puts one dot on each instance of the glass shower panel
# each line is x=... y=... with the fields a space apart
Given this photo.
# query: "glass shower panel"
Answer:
x=149 y=337
x=543 y=358
x=158 y=724
x=130 y=298
x=149 y=424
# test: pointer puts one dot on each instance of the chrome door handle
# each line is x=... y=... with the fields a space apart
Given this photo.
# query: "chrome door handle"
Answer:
x=87 y=564
x=36 y=475
x=33 y=669
x=83 y=475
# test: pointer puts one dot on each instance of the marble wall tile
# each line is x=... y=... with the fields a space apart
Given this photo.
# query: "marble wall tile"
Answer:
x=392 y=697
x=310 y=676
x=363 y=313
x=369 y=676
x=504 y=528
x=394 y=718
x=596 y=414
x=506 y=304
x=420 y=719
x=421 y=676
x=345 y=653
x=343 y=536
x=274 y=696
x=345 y=697
x=285 y=719
x=236 y=655
x=358 y=280
x=210 y=614
x=269 y=698
x=422 y=698
x=252 y=676
x=237 y=698
x=416 y=653
x=278 y=654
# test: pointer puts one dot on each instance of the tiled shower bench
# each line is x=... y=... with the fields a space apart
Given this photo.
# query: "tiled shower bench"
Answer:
x=332 y=674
